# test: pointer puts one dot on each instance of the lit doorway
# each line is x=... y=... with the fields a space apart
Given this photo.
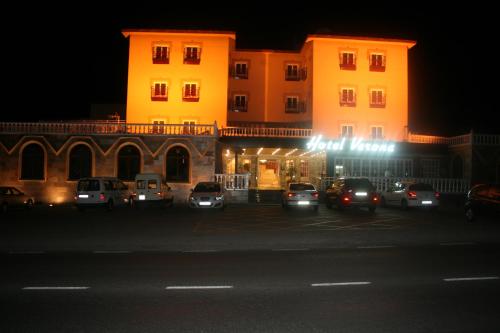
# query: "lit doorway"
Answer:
x=268 y=174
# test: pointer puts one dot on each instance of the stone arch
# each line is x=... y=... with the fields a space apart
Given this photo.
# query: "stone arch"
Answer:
x=32 y=161
x=80 y=161
x=178 y=164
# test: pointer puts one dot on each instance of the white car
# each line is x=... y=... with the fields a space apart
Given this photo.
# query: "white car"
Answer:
x=300 y=195
x=207 y=195
x=151 y=189
x=104 y=192
x=410 y=194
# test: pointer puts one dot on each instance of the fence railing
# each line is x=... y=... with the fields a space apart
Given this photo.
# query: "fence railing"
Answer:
x=89 y=128
x=442 y=185
x=233 y=181
x=266 y=132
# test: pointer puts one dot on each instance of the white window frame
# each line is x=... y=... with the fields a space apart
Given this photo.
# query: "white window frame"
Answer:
x=237 y=107
x=292 y=77
x=377 y=130
x=354 y=97
x=161 y=44
x=372 y=102
x=153 y=89
x=240 y=75
x=347 y=126
x=292 y=110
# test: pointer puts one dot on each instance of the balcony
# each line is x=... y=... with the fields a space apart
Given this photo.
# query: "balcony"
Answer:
x=192 y=60
x=378 y=102
x=348 y=66
x=161 y=60
x=191 y=96
x=377 y=68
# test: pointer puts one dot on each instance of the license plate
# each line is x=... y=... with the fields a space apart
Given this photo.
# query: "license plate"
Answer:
x=205 y=203
x=361 y=194
x=84 y=196
x=142 y=197
x=427 y=202
x=303 y=202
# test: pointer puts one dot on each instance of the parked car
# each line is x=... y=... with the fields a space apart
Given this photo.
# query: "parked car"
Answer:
x=352 y=192
x=150 y=189
x=105 y=192
x=483 y=200
x=11 y=197
x=300 y=195
x=207 y=195
x=408 y=194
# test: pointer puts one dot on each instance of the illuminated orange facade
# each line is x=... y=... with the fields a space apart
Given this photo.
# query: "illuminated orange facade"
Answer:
x=338 y=86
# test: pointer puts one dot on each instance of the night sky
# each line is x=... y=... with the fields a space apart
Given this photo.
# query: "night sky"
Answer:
x=71 y=60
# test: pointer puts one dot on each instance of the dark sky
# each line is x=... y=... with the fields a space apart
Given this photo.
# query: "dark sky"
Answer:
x=71 y=60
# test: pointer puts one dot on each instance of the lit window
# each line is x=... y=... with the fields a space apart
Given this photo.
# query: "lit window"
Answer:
x=347 y=131
x=347 y=97
x=191 y=92
x=292 y=104
x=377 y=132
x=292 y=72
x=377 y=62
x=159 y=91
x=347 y=60
x=377 y=98
x=161 y=54
x=240 y=70
x=239 y=103
x=192 y=54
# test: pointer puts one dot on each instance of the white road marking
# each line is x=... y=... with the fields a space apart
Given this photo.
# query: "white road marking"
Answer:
x=200 y=251
x=26 y=252
x=340 y=284
x=298 y=249
x=56 y=288
x=472 y=278
x=456 y=243
x=197 y=287
x=110 y=252
x=376 y=247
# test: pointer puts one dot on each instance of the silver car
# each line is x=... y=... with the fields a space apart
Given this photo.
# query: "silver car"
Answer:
x=12 y=197
x=410 y=194
x=207 y=195
x=300 y=195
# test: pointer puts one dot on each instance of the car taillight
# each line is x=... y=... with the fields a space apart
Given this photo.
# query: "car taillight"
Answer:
x=375 y=198
x=158 y=194
x=437 y=195
x=102 y=197
x=291 y=194
x=346 y=198
x=315 y=194
x=412 y=195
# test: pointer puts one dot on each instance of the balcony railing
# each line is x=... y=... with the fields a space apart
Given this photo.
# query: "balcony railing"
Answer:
x=91 y=128
x=266 y=132
x=233 y=181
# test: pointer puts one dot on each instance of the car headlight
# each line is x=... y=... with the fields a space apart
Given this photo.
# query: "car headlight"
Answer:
x=192 y=198
x=219 y=198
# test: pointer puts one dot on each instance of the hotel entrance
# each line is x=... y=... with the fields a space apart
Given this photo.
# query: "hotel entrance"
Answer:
x=268 y=174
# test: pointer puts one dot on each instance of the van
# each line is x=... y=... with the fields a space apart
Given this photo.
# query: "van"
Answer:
x=151 y=189
x=102 y=192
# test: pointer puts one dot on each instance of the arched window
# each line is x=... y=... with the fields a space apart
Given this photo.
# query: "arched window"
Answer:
x=178 y=164
x=129 y=162
x=458 y=167
x=80 y=162
x=33 y=162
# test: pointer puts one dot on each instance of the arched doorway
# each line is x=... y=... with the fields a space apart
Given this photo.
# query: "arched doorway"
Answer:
x=177 y=164
x=129 y=162
x=33 y=162
x=80 y=162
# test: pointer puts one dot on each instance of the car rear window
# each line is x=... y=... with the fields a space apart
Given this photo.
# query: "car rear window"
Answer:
x=88 y=185
x=140 y=184
x=362 y=182
x=302 y=187
x=207 y=187
x=420 y=187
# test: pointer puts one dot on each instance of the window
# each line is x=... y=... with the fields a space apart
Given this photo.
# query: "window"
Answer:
x=177 y=168
x=377 y=98
x=430 y=168
x=159 y=91
x=129 y=162
x=292 y=104
x=161 y=54
x=239 y=103
x=347 y=131
x=192 y=55
x=191 y=92
x=158 y=126
x=304 y=168
x=377 y=132
x=189 y=127
x=80 y=162
x=292 y=72
x=33 y=162
x=377 y=62
x=347 y=97
x=347 y=60
x=240 y=70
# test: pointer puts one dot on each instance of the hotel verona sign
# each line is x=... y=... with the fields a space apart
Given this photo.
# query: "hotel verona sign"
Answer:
x=354 y=144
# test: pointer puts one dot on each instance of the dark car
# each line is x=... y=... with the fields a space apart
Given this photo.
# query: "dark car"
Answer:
x=483 y=200
x=352 y=192
x=12 y=197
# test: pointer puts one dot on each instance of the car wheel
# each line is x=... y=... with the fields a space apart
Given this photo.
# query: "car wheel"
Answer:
x=316 y=208
x=340 y=206
x=469 y=214
x=109 y=205
x=404 y=204
x=29 y=204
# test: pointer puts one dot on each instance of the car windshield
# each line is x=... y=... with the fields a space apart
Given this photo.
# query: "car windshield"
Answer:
x=357 y=183
x=302 y=187
x=88 y=185
x=420 y=187
x=207 y=187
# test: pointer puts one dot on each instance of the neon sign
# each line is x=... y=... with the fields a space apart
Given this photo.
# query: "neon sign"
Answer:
x=354 y=144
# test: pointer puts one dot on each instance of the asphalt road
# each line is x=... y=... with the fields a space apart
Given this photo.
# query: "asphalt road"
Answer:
x=442 y=288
